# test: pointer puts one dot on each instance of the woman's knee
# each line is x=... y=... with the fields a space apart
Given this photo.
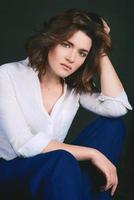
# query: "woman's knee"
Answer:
x=107 y=128
x=66 y=159
x=113 y=126
x=65 y=156
x=57 y=157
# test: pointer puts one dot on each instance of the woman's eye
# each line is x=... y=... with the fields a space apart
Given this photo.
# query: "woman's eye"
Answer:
x=82 y=54
x=64 y=44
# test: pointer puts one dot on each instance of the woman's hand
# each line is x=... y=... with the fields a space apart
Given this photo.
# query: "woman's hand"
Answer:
x=106 y=27
x=107 y=168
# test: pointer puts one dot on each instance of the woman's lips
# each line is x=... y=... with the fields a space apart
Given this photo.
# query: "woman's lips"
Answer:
x=66 y=67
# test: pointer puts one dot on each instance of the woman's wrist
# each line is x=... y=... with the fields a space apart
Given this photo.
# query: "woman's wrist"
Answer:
x=92 y=153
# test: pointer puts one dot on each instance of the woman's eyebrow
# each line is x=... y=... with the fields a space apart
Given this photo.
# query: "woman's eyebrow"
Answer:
x=80 y=49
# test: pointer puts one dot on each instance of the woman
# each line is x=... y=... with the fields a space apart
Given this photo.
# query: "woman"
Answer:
x=39 y=99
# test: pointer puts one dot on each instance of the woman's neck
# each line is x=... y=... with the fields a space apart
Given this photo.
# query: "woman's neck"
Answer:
x=50 y=79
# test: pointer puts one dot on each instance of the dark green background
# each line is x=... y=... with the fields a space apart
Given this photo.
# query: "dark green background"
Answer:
x=20 y=19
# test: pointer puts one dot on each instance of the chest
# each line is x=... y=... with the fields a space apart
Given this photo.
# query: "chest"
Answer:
x=50 y=97
x=63 y=109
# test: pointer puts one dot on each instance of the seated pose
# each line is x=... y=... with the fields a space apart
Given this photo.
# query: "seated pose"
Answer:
x=39 y=98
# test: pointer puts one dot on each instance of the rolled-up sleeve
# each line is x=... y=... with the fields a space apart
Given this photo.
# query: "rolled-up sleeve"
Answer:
x=35 y=145
x=104 y=105
x=14 y=125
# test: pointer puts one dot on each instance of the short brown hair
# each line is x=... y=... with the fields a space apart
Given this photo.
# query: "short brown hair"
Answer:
x=58 y=29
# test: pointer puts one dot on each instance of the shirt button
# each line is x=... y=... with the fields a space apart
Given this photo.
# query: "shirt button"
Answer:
x=50 y=122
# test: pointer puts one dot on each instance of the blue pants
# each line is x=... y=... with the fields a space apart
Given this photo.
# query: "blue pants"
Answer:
x=57 y=175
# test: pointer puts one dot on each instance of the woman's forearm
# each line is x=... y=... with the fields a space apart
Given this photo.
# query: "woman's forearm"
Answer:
x=79 y=152
x=96 y=157
x=110 y=82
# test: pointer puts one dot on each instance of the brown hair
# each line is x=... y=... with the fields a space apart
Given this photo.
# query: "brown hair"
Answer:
x=58 y=29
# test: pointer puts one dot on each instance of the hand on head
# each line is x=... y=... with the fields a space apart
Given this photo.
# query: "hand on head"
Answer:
x=106 y=27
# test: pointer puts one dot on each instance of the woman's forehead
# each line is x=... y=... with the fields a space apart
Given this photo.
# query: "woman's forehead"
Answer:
x=80 y=39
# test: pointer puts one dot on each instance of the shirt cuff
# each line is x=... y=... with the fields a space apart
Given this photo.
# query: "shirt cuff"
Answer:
x=122 y=98
x=35 y=145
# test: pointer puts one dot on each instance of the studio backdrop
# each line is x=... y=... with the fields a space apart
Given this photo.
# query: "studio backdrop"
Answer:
x=21 y=19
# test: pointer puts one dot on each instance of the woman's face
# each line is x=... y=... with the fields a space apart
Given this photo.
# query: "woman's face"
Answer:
x=65 y=58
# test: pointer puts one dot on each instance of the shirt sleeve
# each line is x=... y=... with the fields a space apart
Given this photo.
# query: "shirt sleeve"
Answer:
x=14 y=125
x=107 y=106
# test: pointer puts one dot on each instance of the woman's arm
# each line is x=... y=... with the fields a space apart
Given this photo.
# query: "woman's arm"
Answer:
x=112 y=101
x=109 y=80
x=107 y=106
x=96 y=157
x=13 y=122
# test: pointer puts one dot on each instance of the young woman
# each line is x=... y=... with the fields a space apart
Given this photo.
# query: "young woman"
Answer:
x=39 y=98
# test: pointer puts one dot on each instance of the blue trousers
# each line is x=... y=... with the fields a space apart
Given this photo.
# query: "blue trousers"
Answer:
x=58 y=175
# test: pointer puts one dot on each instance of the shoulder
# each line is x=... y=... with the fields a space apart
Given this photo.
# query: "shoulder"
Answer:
x=16 y=67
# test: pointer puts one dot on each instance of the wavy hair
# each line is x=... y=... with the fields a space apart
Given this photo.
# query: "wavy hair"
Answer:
x=60 y=28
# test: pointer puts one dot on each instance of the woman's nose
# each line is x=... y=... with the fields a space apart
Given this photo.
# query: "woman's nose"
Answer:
x=71 y=56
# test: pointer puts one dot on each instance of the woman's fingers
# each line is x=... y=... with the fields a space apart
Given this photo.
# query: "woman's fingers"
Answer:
x=112 y=180
x=108 y=169
x=109 y=182
x=106 y=27
x=114 y=186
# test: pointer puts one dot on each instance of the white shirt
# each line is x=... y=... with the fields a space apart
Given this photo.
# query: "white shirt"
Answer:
x=26 y=127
